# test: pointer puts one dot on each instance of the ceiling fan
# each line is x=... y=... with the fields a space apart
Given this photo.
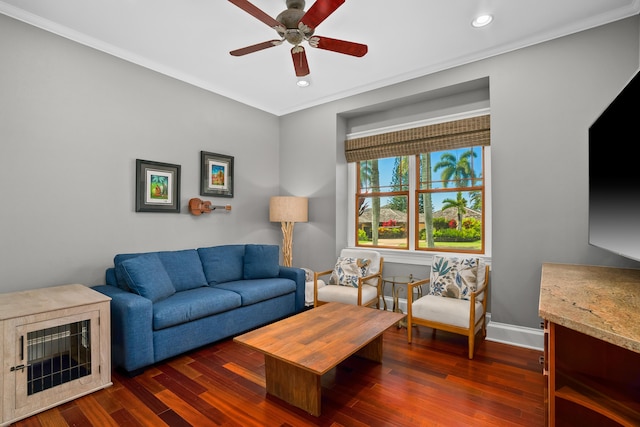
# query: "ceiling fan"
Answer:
x=295 y=26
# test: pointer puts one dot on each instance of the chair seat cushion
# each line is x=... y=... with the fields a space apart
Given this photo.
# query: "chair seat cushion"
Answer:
x=346 y=294
x=451 y=311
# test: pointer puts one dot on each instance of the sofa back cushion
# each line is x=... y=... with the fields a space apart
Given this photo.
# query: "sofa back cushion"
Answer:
x=146 y=276
x=261 y=261
x=183 y=267
x=223 y=263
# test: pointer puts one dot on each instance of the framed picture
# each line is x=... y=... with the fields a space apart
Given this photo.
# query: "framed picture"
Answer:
x=216 y=175
x=157 y=187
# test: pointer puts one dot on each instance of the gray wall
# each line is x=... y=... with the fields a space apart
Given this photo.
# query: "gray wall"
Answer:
x=543 y=99
x=73 y=121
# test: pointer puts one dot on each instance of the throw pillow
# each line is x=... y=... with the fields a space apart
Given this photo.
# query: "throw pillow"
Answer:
x=348 y=270
x=145 y=275
x=453 y=277
x=261 y=261
x=308 y=274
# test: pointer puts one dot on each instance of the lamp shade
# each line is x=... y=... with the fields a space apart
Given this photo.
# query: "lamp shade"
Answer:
x=288 y=209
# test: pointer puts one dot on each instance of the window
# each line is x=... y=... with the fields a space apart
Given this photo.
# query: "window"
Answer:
x=383 y=203
x=428 y=201
x=449 y=198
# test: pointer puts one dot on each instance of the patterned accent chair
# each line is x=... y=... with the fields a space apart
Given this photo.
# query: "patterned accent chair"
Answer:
x=355 y=279
x=455 y=299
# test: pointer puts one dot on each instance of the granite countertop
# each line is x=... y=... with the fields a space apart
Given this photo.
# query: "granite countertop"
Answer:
x=603 y=302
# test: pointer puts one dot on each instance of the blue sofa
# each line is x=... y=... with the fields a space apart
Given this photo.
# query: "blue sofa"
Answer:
x=166 y=303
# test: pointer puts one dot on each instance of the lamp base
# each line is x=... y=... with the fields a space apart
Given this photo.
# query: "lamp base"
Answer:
x=287 y=242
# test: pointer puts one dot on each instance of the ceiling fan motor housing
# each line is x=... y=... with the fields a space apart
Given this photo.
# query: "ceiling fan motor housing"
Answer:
x=295 y=4
x=290 y=19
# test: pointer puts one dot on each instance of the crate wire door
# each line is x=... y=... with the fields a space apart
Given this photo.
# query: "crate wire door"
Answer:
x=55 y=358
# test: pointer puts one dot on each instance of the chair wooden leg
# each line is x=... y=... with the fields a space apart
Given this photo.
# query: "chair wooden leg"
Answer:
x=472 y=337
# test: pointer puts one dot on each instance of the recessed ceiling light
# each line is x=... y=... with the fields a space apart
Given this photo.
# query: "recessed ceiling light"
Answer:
x=482 y=20
x=303 y=82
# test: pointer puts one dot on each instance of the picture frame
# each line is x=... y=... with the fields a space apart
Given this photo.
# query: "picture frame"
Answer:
x=157 y=187
x=216 y=175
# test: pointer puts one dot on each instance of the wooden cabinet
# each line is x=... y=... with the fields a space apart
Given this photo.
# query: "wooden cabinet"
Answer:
x=592 y=345
x=55 y=347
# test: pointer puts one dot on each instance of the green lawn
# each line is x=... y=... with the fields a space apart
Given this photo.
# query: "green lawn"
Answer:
x=448 y=245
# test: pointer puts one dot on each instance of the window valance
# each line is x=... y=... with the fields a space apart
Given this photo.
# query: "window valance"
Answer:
x=439 y=137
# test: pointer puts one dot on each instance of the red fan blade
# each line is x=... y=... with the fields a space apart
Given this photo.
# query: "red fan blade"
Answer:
x=255 y=47
x=300 y=61
x=256 y=13
x=320 y=10
x=340 y=46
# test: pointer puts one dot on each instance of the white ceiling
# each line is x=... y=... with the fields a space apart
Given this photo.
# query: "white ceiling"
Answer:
x=190 y=40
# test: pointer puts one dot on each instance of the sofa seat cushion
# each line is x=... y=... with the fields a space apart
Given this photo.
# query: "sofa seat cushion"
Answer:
x=192 y=304
x=254 y=291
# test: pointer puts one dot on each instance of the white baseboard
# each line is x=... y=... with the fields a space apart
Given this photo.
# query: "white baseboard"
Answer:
x=518 y=336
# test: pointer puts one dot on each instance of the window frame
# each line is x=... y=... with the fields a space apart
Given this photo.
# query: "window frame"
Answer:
x=411 y=255
x=444 y=189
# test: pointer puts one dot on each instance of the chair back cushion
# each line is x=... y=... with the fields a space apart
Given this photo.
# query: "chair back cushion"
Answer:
x=348 y=270
x=453 y=277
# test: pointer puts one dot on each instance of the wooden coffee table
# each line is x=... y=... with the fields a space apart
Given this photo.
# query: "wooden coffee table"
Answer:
x=300 y=349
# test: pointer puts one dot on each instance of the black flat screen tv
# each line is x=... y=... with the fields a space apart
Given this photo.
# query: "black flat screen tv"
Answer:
x=614 y=175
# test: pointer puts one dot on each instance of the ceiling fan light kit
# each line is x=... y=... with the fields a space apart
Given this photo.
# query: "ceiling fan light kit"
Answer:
x=296 y=26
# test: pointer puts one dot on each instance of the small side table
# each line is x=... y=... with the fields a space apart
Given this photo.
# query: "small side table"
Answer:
x=397 y=283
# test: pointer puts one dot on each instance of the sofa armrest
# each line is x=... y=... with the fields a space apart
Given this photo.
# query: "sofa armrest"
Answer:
x=298 y=276
x=131 y=328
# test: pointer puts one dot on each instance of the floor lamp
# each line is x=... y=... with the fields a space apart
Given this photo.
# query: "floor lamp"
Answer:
x=287 y=210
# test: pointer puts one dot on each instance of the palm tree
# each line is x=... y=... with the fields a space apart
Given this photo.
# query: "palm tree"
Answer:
x=427 y=204
x=399 y=182
x=461 y=170
x=476 y=200
x=369 y=174
x=460 y=204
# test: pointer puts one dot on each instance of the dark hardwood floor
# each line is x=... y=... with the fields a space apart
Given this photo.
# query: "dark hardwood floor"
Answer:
x=428 y=383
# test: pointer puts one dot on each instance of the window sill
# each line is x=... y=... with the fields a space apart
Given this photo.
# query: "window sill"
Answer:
x=416 y=257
